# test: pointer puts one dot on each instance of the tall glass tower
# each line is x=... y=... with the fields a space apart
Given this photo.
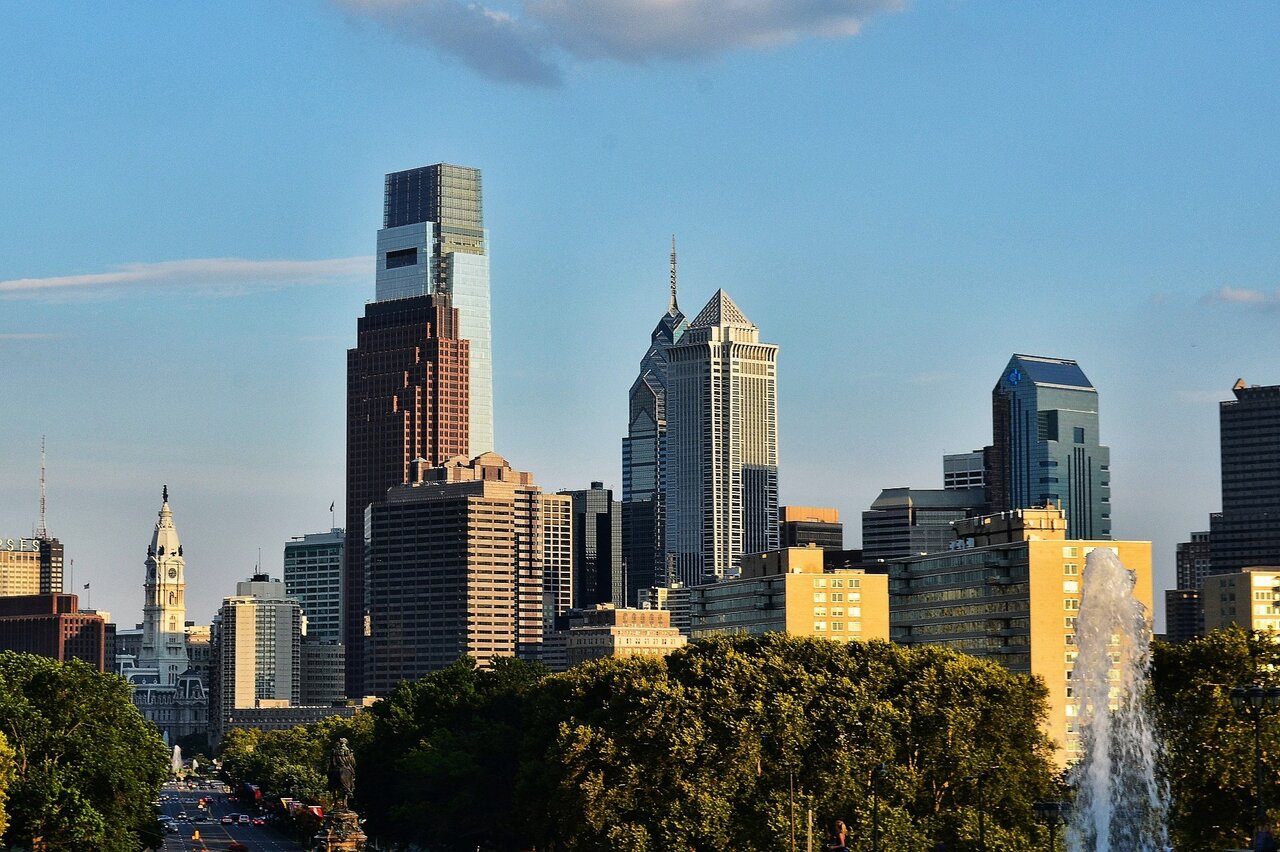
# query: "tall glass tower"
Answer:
x=433 y=240
x=1045 y=444
x=643 y=504
x=1247 y=531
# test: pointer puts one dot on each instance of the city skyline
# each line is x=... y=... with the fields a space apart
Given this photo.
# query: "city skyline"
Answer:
x=1084 y=184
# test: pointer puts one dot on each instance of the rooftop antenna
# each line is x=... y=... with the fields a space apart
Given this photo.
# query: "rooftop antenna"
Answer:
x=42 y=532
x=674 y=308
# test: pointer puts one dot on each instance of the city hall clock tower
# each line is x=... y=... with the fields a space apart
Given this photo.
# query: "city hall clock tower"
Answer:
x=164 y=637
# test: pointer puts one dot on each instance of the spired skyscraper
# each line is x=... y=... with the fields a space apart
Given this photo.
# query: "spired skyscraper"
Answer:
x=722 y=444
x=644 y=535
x=1045 y=445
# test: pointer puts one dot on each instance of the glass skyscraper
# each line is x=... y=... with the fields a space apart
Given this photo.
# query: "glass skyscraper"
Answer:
x=433 y=240
x=1045 y=445
x=1247 y=531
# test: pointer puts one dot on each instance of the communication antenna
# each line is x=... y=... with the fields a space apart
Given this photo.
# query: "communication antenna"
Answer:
x=42 y=532
x=673 y=307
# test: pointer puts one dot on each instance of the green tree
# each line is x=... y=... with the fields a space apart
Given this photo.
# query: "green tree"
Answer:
x=7 y=773
x=292 y=763
x=1208 y=745
x=87 y=765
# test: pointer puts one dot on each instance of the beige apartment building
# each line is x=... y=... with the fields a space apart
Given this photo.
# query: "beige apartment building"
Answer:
x=608 y=631
x=1246 y=597
x=788 y=590
x=1010 y=592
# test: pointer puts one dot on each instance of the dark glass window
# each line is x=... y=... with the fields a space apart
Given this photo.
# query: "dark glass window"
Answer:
x=402 y=257
x=1079 y=434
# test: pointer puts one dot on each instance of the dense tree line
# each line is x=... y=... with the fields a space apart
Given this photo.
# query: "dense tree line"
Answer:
x=79 y=766
x=715 y=747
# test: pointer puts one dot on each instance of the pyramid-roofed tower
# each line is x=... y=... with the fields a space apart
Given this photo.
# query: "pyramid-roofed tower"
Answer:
x=721 y=311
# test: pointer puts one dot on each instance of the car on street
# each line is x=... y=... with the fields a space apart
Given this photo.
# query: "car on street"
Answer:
x=228 y=819
x=244 y=819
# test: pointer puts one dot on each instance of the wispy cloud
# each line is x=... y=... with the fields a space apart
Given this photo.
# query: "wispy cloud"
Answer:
x=530 y=45
x=1256 y=299
x=218 y=275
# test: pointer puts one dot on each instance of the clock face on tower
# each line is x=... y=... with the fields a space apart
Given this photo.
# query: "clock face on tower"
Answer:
x=173 y=573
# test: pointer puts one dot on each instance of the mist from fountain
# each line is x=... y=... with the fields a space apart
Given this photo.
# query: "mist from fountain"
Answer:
x=175 y=762
x=1120 y=804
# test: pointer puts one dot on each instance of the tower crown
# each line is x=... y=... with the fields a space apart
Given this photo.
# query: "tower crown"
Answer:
x=164 y=541
x=721 y=311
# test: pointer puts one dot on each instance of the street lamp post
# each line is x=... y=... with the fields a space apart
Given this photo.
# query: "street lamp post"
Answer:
x=1052 y=814
x=877 y=775
x=1253 y=701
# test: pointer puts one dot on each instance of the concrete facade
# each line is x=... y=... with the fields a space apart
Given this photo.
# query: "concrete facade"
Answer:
x=1246 y=598
x=607 y=631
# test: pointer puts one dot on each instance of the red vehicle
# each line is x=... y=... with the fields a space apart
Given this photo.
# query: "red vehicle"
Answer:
x=237 y=846
x=258 y=821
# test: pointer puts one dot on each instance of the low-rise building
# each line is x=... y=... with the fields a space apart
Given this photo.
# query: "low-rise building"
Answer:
x=52 y=626
x=674 y=599
x=1246 y=597
x=607 y=631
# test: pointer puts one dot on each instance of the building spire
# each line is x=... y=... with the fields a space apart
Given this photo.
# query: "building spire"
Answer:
x=42 y=532
x=673 y=308
x=165 y=495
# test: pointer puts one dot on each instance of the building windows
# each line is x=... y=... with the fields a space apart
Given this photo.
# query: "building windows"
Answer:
x=401 y=258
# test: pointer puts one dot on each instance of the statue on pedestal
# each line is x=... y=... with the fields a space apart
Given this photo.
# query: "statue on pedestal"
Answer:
x=341 y=827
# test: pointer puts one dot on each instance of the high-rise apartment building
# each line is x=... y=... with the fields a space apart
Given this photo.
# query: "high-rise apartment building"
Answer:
x=801 y=526
x=433 y=241
x=407 y=398
x=313 y=578
x=597 y=549
x=1045 y=444
x=1247 y=531
x=722 y=444
x=257 y=639
x=455 y=567
x=910 y=521
x=644 y=533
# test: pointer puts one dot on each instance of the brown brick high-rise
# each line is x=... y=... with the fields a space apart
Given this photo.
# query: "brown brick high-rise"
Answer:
x=407 y=398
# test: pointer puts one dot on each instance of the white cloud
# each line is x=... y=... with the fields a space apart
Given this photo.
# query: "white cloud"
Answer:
x=222 y=275
x=1245 y=296
x=527 y=47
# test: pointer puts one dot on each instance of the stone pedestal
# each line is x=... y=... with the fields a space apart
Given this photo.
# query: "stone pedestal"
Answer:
x=340 y=831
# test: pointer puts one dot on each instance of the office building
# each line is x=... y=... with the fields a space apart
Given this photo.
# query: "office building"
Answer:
x=1246 y=598
x=674 y=599
x=801 y=526
x=52 y=626
x=1045 y=445
x=323 y=672
x=722 y=444
x=557 y=575
x=407 y=386
x=455 y=567
x=20 y=566
x=910 y=521
x=1194 y=561
x=433 y=241
x=608 y=631
x=1183 y=615
x=1247 y=531
x=644 y=533
x=964 y=470
x=257 y=640
x=597 y=548
x=789 y=591
x=1010 y=595
x=313 y=578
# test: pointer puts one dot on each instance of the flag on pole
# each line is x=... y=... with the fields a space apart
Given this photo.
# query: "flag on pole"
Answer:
x=86 y=585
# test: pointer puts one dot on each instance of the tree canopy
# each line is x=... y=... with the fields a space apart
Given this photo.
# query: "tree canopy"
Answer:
x=86 y=765
x=724 y=744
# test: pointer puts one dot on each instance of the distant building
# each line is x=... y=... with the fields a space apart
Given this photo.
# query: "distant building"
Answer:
x=801 y=526
x=282 y=716
x=1247 y=598
x=323 y=669
x=789 y=591
x=644 y=454
x=964 y=470
x=1183 y=615
x=30 y=566
x=597 y=548
x=606 y=631
x=722 y=444
x=910 y=521
x=674 y=599
x=1045 y=444
x=257 y=636
x=557 y=576
x=455 y=567
x=313 y=578
x=52 y=626
x=1247 y=531
x=1193 y=561
x=199 y=650
x=1012 y=597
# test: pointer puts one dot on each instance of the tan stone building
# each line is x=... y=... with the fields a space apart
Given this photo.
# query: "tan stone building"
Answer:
x=607 y=631
x=1010 y=592
x=788 y=590
x=1246 y=597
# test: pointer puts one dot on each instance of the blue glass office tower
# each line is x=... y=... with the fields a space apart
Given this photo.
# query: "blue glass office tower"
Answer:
x=643 y=450
x=1045 y=445
x=433 y=240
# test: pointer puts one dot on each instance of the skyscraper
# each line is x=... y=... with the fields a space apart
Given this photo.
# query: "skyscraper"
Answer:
x=644 y=532
x=722 y=444
x=433 y=241
x=1247 y=531
x=1045 y=445
x=597 y=549
x=313 y=578
x=407 y=383
x=906 y=522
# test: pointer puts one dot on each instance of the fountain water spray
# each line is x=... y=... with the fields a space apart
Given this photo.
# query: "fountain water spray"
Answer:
x=1120 y=805
x=175 y=762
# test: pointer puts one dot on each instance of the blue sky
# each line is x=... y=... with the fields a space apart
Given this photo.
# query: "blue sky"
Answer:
x=900 y=195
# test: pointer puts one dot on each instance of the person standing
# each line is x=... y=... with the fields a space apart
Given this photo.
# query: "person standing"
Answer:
x=839 y=838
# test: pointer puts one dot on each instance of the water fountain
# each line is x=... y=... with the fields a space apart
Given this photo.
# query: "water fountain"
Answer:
x=175 y=762
x=1120 y=805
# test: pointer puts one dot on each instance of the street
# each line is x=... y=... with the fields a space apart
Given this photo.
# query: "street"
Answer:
x=213 y=834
